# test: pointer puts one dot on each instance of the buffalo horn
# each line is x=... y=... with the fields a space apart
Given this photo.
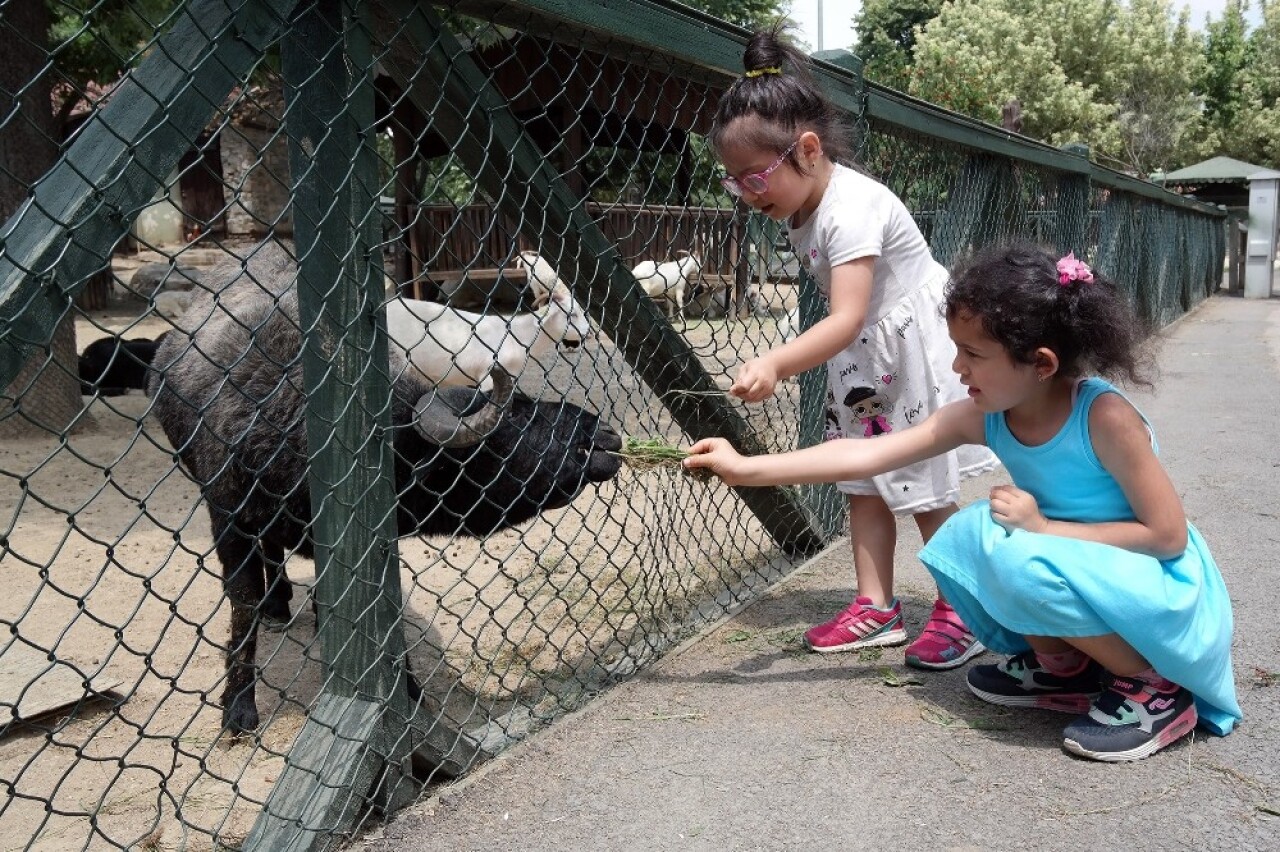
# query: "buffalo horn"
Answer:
x=439 y=422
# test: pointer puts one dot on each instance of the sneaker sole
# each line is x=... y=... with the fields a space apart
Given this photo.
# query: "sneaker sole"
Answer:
x=974 y=650
x=1173 y=732
x=1075 y=703
x=880 y=640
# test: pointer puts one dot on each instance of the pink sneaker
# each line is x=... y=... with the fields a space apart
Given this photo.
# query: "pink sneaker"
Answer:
x=944 y=643
x=860 y=625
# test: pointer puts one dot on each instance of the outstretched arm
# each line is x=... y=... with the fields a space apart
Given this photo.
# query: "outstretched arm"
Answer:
x=846 y=458
x=850 y=296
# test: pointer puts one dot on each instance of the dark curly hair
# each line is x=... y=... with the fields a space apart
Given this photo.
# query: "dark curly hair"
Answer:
x=1013 y=289
x=786 y=103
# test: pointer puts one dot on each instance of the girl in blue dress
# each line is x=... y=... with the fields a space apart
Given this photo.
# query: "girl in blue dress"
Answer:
x=1085 y=570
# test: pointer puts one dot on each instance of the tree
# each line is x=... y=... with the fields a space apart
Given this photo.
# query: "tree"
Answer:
x=1255 y=135
x=977 y=55
x=752 y=14
x=887 y=37
x=1154 y=66
x=97 y=41
x=1226 y=52
x=1118 y=77
x=45 y=396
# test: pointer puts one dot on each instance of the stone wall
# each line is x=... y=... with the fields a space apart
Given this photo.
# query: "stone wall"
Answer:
x=255 y=166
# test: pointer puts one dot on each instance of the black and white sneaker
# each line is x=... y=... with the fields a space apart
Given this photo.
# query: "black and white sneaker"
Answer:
x=1131 y=720
x=1021 y=681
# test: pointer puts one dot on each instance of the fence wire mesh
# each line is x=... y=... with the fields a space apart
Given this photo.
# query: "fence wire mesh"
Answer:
x=180 y=397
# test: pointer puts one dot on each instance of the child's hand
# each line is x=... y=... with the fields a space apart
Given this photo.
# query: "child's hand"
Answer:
x=1015 y=509
x=755 y=381
x=716 y=455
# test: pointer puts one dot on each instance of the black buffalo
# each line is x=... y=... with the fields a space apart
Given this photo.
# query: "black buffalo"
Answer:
x=230 y=399
x=114 y=365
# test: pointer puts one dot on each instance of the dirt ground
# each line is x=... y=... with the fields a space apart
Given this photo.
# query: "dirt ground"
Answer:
x=109 y=568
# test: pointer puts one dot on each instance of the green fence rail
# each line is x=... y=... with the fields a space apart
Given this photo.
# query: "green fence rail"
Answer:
x=273 y=564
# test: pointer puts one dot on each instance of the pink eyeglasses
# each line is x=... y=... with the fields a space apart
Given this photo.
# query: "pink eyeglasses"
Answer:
x=758 y=183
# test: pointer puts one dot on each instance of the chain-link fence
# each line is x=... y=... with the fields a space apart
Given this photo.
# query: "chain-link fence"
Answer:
x=270 y=562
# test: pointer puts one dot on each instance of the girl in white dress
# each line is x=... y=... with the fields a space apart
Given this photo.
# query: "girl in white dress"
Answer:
x=883 y=339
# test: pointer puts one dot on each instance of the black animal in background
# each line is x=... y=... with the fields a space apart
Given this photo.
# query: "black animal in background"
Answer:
x=114 y=365
x=231 y=401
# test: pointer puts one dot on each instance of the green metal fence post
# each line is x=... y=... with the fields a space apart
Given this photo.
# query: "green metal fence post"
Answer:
x=972 y=206
x=1073 y=205
x=354 y=744
x=825 y=500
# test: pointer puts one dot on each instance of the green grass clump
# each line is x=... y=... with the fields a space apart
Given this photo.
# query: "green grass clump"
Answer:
x=645 y=454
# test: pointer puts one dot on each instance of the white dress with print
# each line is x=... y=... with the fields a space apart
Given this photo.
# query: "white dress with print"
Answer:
x=898 y=371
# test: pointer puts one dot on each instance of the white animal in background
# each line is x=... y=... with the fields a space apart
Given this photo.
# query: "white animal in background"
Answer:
x=789 y=325
x=670 y=281
x=542 y=276
x=453 y=347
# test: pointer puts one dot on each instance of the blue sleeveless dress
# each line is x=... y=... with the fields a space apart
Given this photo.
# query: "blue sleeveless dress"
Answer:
x=1008 y=585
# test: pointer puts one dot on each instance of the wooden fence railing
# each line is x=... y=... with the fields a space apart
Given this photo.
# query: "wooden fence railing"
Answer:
x=477 y=244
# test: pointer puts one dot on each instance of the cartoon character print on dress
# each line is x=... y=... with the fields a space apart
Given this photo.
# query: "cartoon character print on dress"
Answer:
x=807 y=259
x=870 y=406
x=831 y=430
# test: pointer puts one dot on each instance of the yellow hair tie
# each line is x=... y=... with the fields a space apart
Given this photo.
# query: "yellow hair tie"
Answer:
x=760 y=72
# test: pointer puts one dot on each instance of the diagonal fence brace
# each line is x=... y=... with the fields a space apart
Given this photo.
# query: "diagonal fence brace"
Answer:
x=86 y=203
x=425 y=59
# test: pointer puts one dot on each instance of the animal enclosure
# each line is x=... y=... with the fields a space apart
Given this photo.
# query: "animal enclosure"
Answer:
x=151 y=538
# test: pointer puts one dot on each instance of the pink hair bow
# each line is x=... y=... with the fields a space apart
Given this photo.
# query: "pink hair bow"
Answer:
x=1070 y=269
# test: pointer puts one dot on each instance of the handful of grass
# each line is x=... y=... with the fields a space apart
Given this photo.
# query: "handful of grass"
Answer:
x=645 y=454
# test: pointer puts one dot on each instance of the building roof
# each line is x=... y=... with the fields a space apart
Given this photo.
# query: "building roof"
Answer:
x=1214 y=170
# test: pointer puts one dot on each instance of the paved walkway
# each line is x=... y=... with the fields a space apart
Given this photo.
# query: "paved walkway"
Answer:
x=740 y=742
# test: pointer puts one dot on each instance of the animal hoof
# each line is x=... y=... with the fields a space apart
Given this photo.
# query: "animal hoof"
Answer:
x=240 y=716
x=274 y=614
x=272 y=624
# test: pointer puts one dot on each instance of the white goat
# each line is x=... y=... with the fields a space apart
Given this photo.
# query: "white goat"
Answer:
x=542 y=276
x=453 y=347
x=789 y=325
x=669 y=281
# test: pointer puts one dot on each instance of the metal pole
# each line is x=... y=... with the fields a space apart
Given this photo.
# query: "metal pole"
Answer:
x=1260 y=254
x=819 y=24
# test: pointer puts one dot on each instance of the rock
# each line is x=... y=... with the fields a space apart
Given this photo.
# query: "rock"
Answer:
x=173 y=303
x=153 y=278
